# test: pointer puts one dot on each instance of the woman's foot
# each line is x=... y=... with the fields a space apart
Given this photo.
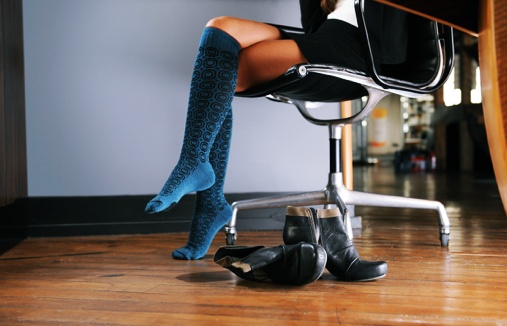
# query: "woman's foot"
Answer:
x=209 y=218
x=183 y=180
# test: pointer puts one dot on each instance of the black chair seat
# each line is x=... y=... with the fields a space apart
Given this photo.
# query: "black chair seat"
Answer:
x=312 y=88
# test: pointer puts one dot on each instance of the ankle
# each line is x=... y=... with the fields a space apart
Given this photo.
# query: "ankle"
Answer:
x=201 y=237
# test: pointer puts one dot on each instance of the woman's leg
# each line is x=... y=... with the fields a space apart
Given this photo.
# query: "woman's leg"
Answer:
x=262 y=57
x=211 y=211
x=211 y=92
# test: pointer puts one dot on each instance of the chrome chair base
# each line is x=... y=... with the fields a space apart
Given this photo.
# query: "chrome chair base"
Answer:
x=337 y=194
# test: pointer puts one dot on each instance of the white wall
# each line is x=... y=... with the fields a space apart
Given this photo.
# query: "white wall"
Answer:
x=106 y=93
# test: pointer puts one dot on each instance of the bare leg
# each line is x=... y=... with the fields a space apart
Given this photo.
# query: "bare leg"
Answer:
x=264 y=55
x=265 y=61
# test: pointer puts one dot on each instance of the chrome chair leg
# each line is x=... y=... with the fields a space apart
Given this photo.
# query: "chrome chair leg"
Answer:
x=378 y=200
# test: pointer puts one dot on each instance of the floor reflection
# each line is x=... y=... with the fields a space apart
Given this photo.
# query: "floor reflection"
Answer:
x=472 y=203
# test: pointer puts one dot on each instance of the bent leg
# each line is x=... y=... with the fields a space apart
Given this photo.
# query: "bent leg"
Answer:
x=213 y=85
x=211 y=92
x=264 y=55
x=212 y=211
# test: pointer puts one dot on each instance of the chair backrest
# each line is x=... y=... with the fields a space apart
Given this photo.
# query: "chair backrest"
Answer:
x=430 y=55
x=423 y=57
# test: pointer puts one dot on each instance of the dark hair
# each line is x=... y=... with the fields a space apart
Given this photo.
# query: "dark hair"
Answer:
x=328 y=5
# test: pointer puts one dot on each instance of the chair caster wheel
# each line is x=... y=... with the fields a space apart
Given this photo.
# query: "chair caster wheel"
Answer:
x=230 y=239
x=444 y=239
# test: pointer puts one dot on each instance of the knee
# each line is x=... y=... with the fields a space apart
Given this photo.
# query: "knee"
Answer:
x=225 y=23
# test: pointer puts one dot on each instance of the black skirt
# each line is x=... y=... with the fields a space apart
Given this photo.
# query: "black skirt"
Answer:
x=335 y=42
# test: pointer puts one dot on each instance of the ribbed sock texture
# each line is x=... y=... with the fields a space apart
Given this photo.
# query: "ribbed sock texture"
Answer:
x=211 y=93
x=212 y=211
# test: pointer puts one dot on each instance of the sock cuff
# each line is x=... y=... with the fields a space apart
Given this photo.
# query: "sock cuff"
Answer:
x=212 y=36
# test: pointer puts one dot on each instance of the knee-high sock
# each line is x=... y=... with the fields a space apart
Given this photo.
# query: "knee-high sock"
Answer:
x=212 y=211
x=211 y=93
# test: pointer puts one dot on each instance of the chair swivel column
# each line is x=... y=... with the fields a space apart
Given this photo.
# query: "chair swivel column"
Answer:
x=335 y=182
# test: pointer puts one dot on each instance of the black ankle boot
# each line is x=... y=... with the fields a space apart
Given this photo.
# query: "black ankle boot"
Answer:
x=325 y=227
x=297 y=264
x=343 y=260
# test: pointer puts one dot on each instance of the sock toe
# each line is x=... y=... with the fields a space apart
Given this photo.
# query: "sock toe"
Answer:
x=203 y=177
x=157 y=206
x=182 y=254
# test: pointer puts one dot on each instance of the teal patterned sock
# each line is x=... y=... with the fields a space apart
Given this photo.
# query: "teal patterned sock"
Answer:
x=212 y=211
x=211 y=93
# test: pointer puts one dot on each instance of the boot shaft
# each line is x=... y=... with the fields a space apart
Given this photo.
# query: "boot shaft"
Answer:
x=301 y=225
x=325 y=227
x=332 y=229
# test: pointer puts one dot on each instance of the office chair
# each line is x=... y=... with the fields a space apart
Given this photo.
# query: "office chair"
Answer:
x=430 y=59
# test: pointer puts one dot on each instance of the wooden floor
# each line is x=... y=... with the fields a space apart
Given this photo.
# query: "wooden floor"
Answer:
x=132 y=280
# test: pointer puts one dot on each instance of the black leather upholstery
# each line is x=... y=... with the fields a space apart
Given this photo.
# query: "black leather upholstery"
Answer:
x=312 y=87
x=422 y=56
